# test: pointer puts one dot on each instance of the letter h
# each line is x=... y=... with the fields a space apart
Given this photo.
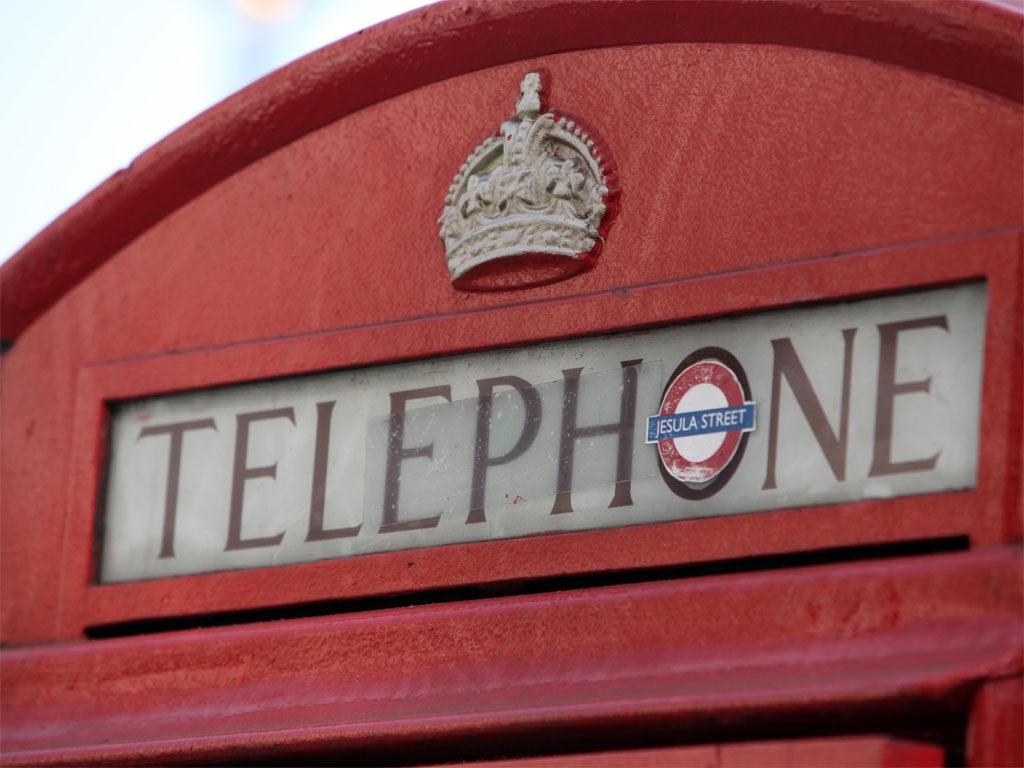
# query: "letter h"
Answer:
x=570 y=433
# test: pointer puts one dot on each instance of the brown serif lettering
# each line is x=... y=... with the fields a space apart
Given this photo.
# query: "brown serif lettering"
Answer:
x=888 y=389
x=318 y=494
x=482 y=458
x=570 y=433
x=397 y=453
x=833 y=446
x=241 y=473
x=177 y=433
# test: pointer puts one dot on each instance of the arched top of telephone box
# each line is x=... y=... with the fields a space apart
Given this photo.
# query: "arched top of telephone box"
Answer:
x=291 y=471
x=975 y=44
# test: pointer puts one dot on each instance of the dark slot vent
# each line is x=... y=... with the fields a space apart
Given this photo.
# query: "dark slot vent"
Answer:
x=835 y=555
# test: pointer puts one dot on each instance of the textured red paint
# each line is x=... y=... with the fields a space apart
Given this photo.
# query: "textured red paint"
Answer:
x=996 y=733
x=855 y=752
x=791 y=646
x=976 y=44
x=292 y=229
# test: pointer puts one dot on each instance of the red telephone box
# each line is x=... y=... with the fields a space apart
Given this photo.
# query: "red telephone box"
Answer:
x=567 y=383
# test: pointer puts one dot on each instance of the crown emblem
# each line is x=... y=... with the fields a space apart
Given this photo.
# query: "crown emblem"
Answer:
x=525 y=207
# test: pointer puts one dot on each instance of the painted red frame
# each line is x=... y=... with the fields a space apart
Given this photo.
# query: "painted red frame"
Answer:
x=846 y=642
x=988 y=514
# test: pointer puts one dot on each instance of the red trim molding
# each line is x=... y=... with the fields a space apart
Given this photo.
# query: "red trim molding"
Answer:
x=913 y=635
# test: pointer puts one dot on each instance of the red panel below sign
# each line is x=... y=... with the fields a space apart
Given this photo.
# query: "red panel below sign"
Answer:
x=850 y=752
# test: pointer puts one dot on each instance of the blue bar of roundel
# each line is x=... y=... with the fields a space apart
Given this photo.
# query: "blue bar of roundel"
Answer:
x=699 y=423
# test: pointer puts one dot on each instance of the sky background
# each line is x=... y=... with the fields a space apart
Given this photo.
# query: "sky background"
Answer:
x=88 y=85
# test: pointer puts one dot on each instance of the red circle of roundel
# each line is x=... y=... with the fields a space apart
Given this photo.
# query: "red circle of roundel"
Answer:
x=722 y=378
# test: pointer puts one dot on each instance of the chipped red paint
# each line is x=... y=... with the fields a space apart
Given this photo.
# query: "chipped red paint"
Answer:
x=769 y=155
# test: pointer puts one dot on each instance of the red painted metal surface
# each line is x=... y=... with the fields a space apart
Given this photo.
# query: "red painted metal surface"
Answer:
x=250 y=278
x=811 y=649
x=973 y=43
x=996 y=734
x=982 y=513
x=770 y=154
x=854 y=752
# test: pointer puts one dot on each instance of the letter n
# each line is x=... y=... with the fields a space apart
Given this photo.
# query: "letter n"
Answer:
x=832 y=446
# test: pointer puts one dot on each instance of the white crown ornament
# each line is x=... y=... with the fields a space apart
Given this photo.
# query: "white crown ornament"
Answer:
x=525 y=207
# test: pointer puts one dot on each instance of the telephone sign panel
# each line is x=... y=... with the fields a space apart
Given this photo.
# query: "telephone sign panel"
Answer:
x=870 y=399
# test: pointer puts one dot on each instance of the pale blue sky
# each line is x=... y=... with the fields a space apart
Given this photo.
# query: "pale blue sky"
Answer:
x=87 y=85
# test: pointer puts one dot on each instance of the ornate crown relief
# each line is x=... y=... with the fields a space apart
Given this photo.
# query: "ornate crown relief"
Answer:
x=525 y=207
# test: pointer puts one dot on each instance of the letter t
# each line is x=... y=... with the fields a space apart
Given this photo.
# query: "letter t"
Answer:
x=177 y=433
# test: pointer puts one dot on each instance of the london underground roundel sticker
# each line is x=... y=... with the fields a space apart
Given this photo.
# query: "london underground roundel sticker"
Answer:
x=704 y=415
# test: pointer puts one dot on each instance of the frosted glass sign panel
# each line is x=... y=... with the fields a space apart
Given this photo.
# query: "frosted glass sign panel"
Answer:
x=832 y=403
